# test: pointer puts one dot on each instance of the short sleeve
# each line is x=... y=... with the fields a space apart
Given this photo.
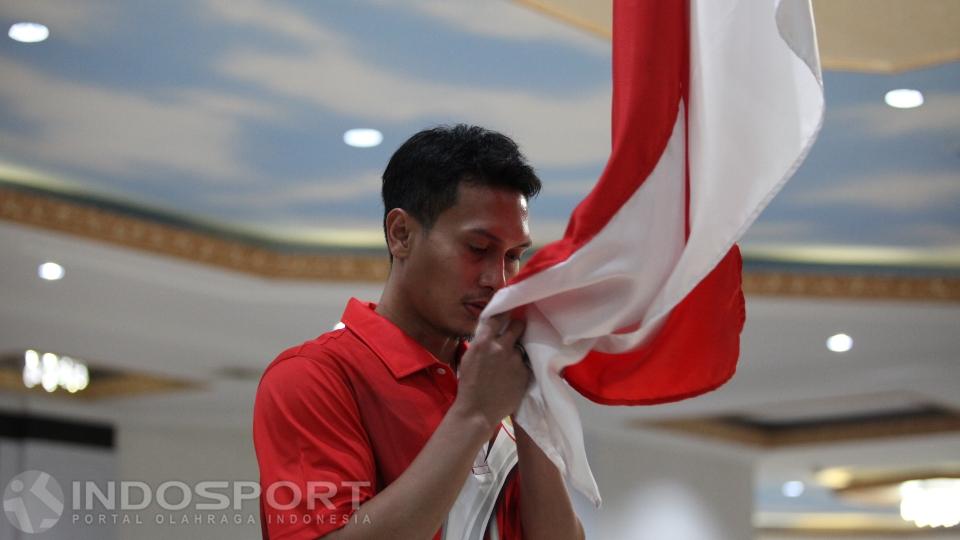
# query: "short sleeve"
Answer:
x=316 y=463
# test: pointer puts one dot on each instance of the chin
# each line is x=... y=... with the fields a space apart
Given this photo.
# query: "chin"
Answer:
x=465 y=333
x=466 y=330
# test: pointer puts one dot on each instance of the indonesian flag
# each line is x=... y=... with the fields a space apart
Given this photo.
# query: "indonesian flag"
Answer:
x=715 y=104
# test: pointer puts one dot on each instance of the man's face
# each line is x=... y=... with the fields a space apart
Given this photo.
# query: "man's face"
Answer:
x=472 y=250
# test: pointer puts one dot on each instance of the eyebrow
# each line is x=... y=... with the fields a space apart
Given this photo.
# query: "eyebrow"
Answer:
x=497 y=239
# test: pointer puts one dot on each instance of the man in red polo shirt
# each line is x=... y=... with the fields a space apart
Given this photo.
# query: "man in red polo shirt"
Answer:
x=389 y=426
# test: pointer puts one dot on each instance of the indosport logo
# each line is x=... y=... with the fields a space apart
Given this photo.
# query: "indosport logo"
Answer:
x=33 y=501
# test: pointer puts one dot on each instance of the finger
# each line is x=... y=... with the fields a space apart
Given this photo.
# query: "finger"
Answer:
x=524 y=357
x=513 y=331
x=485 y=329
x=491 y=327
x=499 y=323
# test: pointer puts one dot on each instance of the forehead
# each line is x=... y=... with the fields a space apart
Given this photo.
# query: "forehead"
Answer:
x=501 y=212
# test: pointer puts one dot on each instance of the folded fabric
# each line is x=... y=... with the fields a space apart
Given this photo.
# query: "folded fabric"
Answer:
x=715 y=105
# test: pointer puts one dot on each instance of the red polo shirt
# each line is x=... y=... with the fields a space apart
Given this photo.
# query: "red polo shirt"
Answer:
x=338 y=418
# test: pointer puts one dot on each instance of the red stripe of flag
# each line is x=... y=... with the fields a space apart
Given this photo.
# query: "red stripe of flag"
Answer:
x=697 y=348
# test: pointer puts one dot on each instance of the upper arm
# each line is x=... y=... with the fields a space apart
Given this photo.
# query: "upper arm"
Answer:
x=316 y=463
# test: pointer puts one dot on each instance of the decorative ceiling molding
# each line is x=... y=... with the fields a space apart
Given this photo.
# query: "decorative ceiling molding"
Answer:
x=104 y=383
x=870 y=36
x=592 y=16
x=830 y=526
x=744 y=431
x=872 y=287
x=887 y=36
x=258 y=257
x=89 y=221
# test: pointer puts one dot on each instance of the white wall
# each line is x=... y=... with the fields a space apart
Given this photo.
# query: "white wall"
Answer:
x=658 y=488
x=157 y=454
x=66 y=464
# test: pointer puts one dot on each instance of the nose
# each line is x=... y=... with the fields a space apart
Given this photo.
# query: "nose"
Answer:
x=494 y=274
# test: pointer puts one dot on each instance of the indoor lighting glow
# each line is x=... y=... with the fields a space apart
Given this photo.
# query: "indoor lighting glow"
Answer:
x=32 y=373
x=363 y=138
x=50 y=271
x=28 y=32
x=52 y=372
x=835 y=478
x=793 y=488
x=931 y=503
x=904 y=98
x=840 y=343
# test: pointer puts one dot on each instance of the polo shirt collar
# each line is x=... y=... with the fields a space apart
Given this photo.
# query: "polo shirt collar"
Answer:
x=400 y=352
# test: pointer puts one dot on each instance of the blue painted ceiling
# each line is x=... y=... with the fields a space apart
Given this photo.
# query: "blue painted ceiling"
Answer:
x=231 y=112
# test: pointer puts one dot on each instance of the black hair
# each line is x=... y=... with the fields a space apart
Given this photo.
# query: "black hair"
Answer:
x=423 y=175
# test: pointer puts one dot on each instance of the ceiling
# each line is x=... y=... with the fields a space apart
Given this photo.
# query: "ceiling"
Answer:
x=232 y=112
x=228 y=114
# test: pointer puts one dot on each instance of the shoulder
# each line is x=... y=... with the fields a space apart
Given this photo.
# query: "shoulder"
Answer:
x=314 y=376
x=330 y=351
x=329 y=359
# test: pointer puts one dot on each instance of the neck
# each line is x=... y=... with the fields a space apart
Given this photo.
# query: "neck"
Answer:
x=393 y=307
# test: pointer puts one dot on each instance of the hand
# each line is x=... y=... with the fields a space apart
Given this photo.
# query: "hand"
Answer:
x=493 y=377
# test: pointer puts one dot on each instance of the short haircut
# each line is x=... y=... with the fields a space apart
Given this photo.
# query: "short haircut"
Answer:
x=423 y=175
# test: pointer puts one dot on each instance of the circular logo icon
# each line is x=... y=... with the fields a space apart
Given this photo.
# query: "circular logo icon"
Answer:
x=33 y=501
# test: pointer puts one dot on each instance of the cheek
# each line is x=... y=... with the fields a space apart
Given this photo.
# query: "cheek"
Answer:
x=442 y=268
x=458 y=273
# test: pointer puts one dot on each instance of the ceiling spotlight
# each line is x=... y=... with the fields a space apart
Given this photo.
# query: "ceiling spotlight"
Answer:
x=28 y=32
x=792 y=489
x=839 y=343
x=904 y=98
x=50 y=271
x=835 y=477
x=363 y=138
x=32 y=372
x=52 y=371
x=931 y=502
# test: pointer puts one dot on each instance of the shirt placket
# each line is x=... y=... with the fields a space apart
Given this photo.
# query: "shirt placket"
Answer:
x=445 y=380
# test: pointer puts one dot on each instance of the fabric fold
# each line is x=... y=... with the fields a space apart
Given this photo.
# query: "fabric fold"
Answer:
x=715 y=105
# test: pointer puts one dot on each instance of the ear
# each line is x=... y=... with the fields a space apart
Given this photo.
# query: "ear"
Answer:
x=401 y=230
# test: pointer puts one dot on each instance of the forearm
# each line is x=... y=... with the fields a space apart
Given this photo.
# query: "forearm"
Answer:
x=545 y=508
x=416 y=503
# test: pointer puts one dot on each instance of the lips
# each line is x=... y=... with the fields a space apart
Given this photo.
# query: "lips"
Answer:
x=475 y=308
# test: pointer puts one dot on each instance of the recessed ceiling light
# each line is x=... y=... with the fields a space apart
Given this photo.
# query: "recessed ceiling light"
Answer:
x=363 y=138
x=930 y=502
x=835 y=477
x=904 y=98
x=793 y=488
x=50 y=366
x=839 y=343
x=32 y=372
x=28 y=32
x=50 y=271
x=52 y=371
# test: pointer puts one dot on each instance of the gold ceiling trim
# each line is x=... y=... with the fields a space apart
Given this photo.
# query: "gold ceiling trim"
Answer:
x=176 y=241
x=869 y=36
x=594 y=17
x=797 y=285
x=887 y=36
x=863 y=528
x=141 y=233
x=882 y=66
x=116 y=385
x=736 y=430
